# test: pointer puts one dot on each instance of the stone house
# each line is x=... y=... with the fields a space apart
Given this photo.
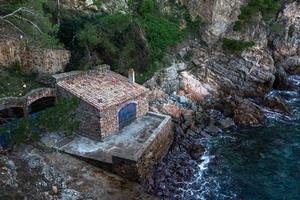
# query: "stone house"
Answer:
x=108 y=101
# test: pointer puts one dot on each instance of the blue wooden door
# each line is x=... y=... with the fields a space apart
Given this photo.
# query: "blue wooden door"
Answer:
x=127 y=115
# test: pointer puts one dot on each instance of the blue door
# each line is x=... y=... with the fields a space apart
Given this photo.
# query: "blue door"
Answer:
x=127 y=115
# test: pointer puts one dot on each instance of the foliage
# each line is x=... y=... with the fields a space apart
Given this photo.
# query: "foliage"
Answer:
x=28 y=18
x=161 y=33
x=193 y=26
x=147 y=7
x=236 y=46
x=15 y=83
x=61 y=117
x=268 y=8
x=278 y=28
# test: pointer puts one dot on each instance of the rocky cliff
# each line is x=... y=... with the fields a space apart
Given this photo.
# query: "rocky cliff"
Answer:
x=250 y=74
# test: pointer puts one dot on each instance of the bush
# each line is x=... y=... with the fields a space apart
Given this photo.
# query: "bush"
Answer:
x=147 y=7
x=32 y=22
x=161 y=33
x=15 y=83
x=236 y=46
x=268 y=9
x=61 y=117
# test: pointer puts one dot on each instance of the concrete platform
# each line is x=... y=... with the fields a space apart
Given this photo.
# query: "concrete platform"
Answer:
x=131 y=153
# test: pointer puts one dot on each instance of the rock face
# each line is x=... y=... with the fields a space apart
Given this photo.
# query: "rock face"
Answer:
x=42 y=61
x=107 y=6
x=251 y=74
x=287 y=44
x=248 y=113
x=219 y=15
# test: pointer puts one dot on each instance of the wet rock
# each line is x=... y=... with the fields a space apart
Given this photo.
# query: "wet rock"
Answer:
x=226 y=123
x=278 y=104
x=248 y=113
x=213 y=130
x=292 y=65
x=204 y=134
x=281 y=78
x=196 y=151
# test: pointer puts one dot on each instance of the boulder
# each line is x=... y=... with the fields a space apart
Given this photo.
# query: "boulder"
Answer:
x=281 y=78
x=196 y=151
x=248 y=113
x=226 y=123
x=212 y=130
x=277 y=104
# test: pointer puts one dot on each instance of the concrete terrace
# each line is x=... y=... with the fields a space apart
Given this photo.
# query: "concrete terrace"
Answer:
x=150 y=135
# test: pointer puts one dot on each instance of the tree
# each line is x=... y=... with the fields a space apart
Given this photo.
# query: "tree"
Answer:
x=27 y=19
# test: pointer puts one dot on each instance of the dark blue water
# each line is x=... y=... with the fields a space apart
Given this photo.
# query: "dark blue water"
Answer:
x=261 y=163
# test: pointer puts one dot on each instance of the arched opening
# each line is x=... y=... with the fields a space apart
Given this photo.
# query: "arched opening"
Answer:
x=9 y=114
x=41 y=104
x=127 y=115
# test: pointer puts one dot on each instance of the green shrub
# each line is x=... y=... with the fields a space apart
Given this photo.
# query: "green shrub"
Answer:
x=147 y=7
x=236 y=46
x=161 y=33
x=277 y=28
x=61 y=117
x=32 y=21
x=193 y=26
x=15 y=83
x=268 y=9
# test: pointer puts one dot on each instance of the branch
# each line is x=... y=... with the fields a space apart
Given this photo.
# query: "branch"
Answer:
x=33 y=24
x=7 y=21
x=13 y=13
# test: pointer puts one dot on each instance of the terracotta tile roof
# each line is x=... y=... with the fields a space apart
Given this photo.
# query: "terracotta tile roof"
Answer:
x=102 y=89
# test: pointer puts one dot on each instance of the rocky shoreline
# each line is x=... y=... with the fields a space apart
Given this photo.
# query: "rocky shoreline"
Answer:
x=187 y=152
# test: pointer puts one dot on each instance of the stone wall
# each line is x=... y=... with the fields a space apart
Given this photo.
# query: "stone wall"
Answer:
x=99 y=124
x=45 y=61
x=88 y=116
x=24 y=102
x=155 y=148
x=109 y=117
x=10 y=51
x=42 y=61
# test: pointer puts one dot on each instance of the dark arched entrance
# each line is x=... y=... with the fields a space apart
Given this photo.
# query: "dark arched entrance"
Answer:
x=9 y=114
x=41 y=104
x=127 y=115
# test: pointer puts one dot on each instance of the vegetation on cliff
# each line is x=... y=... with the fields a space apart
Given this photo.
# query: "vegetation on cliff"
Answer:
x=236 y=46
x=249 y=12
x=28 y=19
x=138 y=39
x=15 y=83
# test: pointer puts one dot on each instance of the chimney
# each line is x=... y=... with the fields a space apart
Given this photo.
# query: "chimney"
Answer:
x=131 y=75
